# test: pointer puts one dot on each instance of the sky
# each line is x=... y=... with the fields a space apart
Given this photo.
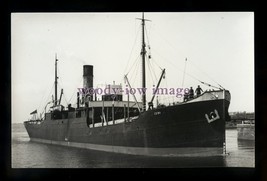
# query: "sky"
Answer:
x=213 y=47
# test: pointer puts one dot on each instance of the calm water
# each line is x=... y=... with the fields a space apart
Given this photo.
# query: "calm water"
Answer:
x=27 y=154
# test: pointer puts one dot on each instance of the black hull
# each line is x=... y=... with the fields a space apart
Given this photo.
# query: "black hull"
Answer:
x=169 y=128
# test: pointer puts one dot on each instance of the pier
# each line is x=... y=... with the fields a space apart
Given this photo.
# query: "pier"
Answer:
x=239 y=118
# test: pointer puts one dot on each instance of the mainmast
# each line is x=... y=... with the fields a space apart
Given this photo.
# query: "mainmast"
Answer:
x=55 y=103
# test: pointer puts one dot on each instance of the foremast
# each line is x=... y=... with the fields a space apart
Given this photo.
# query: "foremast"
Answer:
x=55 y=103
x=143 y=53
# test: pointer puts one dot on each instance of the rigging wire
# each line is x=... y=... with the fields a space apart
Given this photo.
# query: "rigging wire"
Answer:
x=149 y=57
x=205 y=73
x=132 y=50
x=177 y=68
x=48 y=97
x=154 y=70
x=154 y=61
x=61 y=87
x=147 y=37
x=134 y=64
x=133 y=68
x=160 y=35
x=150 y=60
x=65 y=99
x=45 y=98
x=74 y=92
x=41 y=102
x=136 y=70
x=151 y=74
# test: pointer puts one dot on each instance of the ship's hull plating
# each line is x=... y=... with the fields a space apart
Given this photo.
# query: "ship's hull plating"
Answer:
x=181 y=130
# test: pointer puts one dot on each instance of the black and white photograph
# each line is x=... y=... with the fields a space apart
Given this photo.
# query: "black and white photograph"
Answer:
x=132 y=90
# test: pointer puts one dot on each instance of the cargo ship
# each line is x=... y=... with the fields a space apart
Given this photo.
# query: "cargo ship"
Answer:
x=192 y=127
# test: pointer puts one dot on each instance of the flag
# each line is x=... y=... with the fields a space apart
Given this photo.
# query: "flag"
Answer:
x=34 y=112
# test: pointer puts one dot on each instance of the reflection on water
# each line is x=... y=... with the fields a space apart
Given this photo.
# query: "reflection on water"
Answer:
x=27 y=154
x=246 y=144
x=241 y=152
